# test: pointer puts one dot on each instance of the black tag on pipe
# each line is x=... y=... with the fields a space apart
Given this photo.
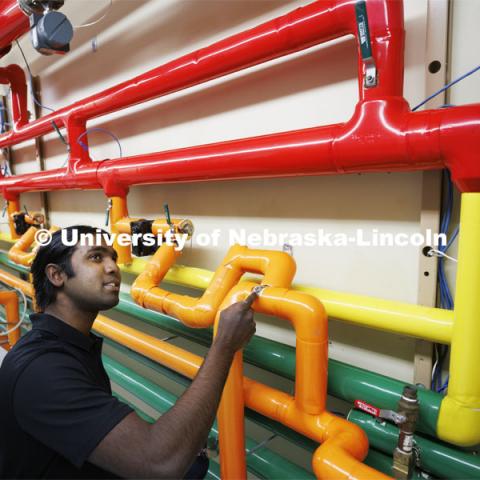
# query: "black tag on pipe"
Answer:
x=363 y=31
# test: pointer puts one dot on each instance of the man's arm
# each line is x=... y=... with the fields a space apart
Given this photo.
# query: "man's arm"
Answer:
x=167 y=448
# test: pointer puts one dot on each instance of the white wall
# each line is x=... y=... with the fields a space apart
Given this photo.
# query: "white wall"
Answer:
x=311 y=88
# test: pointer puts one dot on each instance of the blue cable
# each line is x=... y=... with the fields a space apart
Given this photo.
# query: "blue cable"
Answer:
x=30 y=77
x=446 y=299
x=446 y=87
x=103 y=130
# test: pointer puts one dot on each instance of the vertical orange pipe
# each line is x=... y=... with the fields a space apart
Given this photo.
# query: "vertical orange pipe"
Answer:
x=13 y=206
x=10 y=300
x=118 y=211
x=230 y=415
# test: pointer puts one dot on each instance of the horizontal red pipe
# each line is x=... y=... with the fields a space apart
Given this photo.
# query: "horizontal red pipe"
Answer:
x=13 y=24
x=382 y=136
x=304 y=27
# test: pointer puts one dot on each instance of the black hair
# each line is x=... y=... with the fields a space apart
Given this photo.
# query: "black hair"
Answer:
x=60 y=254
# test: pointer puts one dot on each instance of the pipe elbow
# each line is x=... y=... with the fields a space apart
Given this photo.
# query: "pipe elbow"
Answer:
x=309 y=317
x=458 y=422
x=346 y=435
x=190 y=311
x=330 y=461
x=139 y=289
x=278 y=268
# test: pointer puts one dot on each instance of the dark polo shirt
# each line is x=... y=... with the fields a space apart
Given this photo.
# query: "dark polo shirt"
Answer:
x=56 y=403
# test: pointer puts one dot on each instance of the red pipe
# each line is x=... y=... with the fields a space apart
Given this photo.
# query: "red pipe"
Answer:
x=401 y=141
x=302 y=28
x=14 y=76
x=13 y=24
x=383 y=134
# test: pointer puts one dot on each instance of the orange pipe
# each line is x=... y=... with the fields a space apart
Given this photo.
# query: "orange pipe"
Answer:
x=13 y=281
x=309 y=319
x=10 y=300
x=231 y=411
x=13 y=206
x=19 y=253
x=278 y=269
x=118 y=212
x=344 y=445
x=346 y=442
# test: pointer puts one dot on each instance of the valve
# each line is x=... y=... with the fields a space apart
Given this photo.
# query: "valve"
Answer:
x=404 y=454
x=379 y=413
x=22 y=221
x=50 y=31
x=140 y=228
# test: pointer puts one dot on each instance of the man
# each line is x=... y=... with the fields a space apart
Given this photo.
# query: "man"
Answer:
x=58 y=418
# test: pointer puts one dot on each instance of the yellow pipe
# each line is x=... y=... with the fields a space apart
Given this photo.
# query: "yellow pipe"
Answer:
x=432 y=324
x=459 y=418
x=278 y=269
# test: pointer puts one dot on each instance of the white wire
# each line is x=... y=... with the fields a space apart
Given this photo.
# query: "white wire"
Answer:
x=84 y=25
x=438 y=253
x=436 y=361
x=20 y=322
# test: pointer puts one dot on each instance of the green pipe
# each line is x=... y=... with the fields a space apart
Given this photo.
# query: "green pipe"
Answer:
x=14 y=266
x=374 y=459
x=344 y=381
x=263 y=462
x=437 y=458
x=351 y=383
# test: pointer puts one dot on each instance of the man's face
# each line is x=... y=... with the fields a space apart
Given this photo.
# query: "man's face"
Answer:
x=96 y=282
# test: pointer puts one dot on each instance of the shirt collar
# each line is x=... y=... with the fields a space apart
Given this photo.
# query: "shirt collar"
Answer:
x=45 y=321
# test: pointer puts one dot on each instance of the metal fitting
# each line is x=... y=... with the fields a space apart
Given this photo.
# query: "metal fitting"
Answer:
x=404 y=455
x=259 y=289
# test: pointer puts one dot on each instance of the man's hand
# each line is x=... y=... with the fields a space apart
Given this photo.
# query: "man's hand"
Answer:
x=236 y=325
